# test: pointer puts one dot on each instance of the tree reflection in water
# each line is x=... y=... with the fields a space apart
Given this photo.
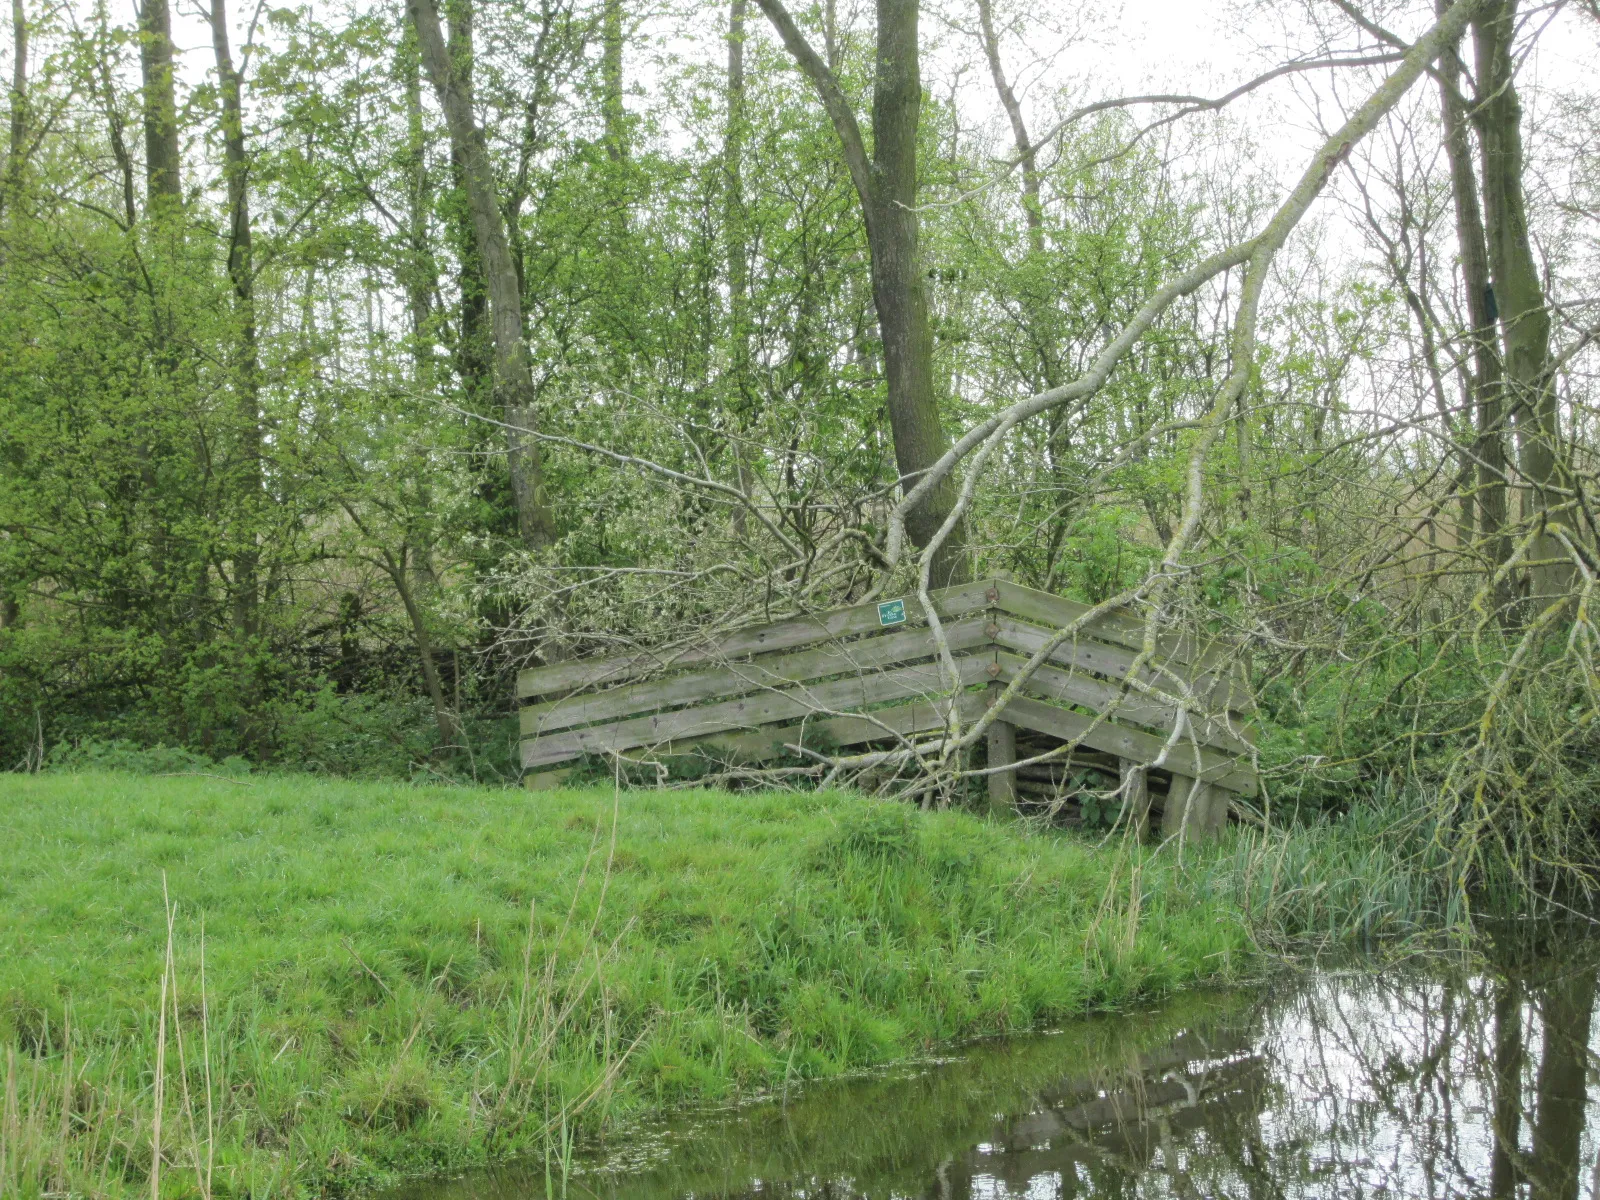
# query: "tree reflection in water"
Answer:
x=1338 y=1085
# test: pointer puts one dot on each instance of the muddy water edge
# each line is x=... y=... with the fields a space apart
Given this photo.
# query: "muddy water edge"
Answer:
x=1440 y=1079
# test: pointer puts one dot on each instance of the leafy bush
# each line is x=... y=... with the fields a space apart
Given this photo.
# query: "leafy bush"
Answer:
x=120 y=754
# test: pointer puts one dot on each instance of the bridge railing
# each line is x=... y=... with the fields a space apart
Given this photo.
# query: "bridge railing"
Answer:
x=870 y=674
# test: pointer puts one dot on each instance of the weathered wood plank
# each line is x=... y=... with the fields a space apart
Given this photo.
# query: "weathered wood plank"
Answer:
x=783 y=635
x=1136 y=795
x=1074 y=687
x=1002 y=748
x=1056 y=612
x=545 y=781
x=884 y=724
x=1127 y=741
x=1102 y=658
x=724 y=682
x=759 y=708
x=1196 y=811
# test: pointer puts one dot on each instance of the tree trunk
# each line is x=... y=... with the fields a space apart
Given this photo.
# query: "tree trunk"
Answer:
x=103 y=90
x=1519 y=293
x=611 y=108
x=241 y=273
x=163 y=186
x=420 y=275
x=1484 y=381
x=1027 y=154
x=887 y=187
x=443 y=717
x=736 y=236
x=474 y=354
x=898 y=283
x=1039 y=307
x=17 y=145
x=513 y=382
x=10 y=185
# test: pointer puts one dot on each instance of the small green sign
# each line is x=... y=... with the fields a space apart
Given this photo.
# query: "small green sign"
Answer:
x=892 y=612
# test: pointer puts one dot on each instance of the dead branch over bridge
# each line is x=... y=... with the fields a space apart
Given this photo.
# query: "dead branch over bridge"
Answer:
x=1166 y=725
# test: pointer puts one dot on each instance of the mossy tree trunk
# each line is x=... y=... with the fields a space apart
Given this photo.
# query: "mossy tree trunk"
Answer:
x=513 y=382
x=886 y=184
x=1519 y=292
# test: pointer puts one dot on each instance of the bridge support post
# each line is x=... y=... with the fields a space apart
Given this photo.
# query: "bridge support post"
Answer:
x=1002 y=753
x=1136 y=796
x=1194 y=809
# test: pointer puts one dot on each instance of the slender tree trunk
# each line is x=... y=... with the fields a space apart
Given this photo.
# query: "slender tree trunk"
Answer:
x=1485 y=382
x=241 y=273
x=1058 y=444
x=443 y=717
x=738 y=253
x=611 y=107
x=17 y=144
x=513 y=382
x=103 y=89
x=163 y=205
x=1519 y=292
x=10 y=186
x=474 y=353
x=1027 y=154
x=163 y=185
x=887 y=186
x=420 y=275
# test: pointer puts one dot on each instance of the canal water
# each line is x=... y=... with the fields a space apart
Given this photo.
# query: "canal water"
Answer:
x=1348 y=1085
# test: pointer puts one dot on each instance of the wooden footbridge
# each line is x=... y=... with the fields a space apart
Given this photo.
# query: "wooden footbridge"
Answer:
x=870 y=676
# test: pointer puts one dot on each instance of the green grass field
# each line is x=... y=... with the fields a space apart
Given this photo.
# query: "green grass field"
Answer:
x=401 y=979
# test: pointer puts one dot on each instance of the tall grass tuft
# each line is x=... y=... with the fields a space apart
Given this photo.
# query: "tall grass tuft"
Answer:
x=1374 y=878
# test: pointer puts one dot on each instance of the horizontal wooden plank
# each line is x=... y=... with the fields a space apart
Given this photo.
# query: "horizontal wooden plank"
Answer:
x=1075 y=687
x=783 y=635
x=1056 y=612
x=1127 y=741
x=887 y=649
x=1084 y=653
x=881 y=725
x=1198 y=648
x=1114 y=662
x=760 y=708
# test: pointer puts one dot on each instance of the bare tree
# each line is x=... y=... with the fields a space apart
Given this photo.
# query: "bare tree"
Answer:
x=1256 y=255
x=736 y=236
x=1027 y=152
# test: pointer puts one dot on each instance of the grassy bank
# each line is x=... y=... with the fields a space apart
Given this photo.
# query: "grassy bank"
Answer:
x=368 y=980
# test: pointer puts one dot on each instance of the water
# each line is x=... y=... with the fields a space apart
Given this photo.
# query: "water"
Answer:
x=1335 y=1085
